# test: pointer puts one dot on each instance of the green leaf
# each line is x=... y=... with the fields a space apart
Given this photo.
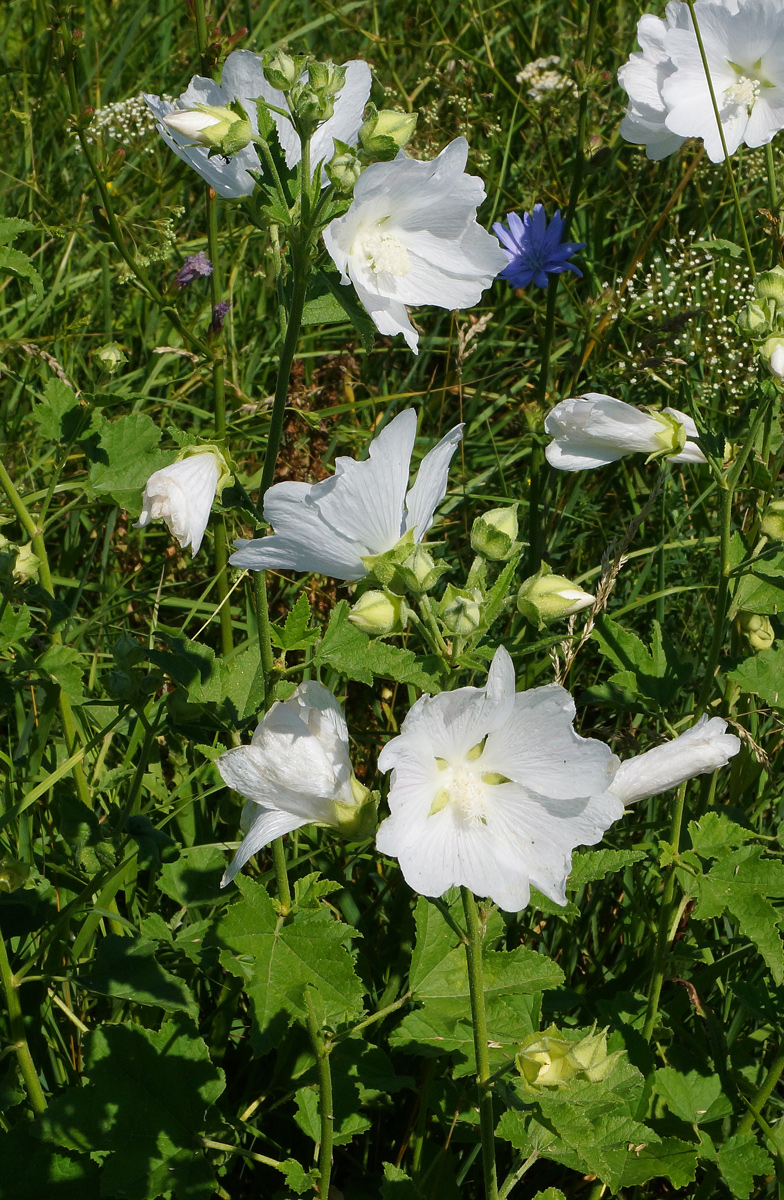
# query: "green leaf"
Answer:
x=15 y=626
x=145 y=1107
x=739 y=884
x=590 y=865
x=549 y=1194
x=32 y=1170
x=356 y=656
x=295 y=635
x=124 y=457
x=126 y=969
x=740 y=1159
x=693 y=1097
x=670 y=1159
x=398 y=1185
x=761 y=590
x=11 y=227
x=714 y=834
x=499 y=590
x=195 y=877
x=658 y=674
x=346 y=298
x=14 y=262
x=322 y=308
x=61 y=415
x=277 y=960
x=763 y=675
x=66 y=666
x=297 y=1178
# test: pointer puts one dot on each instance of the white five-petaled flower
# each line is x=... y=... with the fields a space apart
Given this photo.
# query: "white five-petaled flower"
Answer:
x=296 y=771
x=593 y=430
x=363 y=510
x=493 y=789
x=183 y=493
x=243 y=79
x=704 y=748
x=669 y=96
x=411 y=237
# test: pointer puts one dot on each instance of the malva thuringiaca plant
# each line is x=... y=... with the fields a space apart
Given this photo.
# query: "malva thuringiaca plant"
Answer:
x=391 y=592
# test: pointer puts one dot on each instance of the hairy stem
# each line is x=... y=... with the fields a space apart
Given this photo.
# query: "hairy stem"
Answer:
x=761 y=1098
x=479 y=1022
x=326 y=1114
x=665 y=920
x=35 y=1092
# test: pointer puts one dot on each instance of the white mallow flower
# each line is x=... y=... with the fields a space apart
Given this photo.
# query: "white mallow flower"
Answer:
x=183 y=493
x=593 y=430
x=493 y=789
x=296 y=771
x=744 y=48
x=700 y=750
x=411 y=237
x=642 y=78
x=182 y=124
x=363 y=510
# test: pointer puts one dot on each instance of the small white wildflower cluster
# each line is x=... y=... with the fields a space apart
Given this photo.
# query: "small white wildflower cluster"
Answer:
x=128 y=122
x=678 y=302
x=544 y=78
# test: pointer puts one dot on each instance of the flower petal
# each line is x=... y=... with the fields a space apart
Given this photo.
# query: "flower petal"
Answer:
x=270 y=823
x=430 y=484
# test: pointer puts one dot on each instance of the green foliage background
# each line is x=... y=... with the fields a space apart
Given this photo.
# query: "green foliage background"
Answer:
x=167 y=1019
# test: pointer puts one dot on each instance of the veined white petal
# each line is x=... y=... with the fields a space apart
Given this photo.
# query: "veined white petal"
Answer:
x=430 y=484
x=270 y=823
x=700 y=750
x=346 y=119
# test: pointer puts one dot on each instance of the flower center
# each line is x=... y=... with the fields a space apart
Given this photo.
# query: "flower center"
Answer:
x=468 y=793
x=745 y=90
x=385 y=252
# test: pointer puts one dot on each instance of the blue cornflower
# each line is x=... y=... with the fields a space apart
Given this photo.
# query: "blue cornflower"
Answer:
x=534 y=248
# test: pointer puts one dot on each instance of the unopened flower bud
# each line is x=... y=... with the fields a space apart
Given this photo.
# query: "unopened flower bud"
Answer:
x=358 y=820
x=770 y=283
x=772 y=524
x=757 y=630
x=111 y=356
x=344 y=169
x=757 y=318
x=282 y=70
x=326 y=78
x=378 y=614
x=382 y=134
x=591 y=1058
x=545 y=597
x=12 y=873
x=420 y=572
x=462 y=614
x=493 y=534
x=772 y=355
x=549 y=1060
x=221 y=129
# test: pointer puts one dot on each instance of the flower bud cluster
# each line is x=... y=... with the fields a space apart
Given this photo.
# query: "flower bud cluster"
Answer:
x=548 y=1059
x=762 y=319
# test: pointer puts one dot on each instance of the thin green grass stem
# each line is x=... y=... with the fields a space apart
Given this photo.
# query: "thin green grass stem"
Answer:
x=730 y=172
x=763 y=1094
x=664 y=930
x=16 y=1028
x=479 y=1022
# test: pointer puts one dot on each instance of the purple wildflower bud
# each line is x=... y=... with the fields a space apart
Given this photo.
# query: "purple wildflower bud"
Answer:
x=192 y=268
x=218 y=315
x=534 y=248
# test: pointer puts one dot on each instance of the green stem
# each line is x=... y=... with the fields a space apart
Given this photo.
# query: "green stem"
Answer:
x=766 y=1087
x=299 y=283
x=479 y=1022
x=35 y=1092
x=281 y=874
x=326 y=1114
x=535 y=490
x=773 y=194
x=200 y=14
x=730 y=172
x=45 y=576
x=665 y=919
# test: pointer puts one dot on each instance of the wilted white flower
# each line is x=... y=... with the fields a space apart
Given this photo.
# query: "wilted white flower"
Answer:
x=411 y=237
x=296 y=771
x=183 y=493
x=493 y=789
x=704 y=748
x=744 y=48
x=593 y=430
x=363 y=510
x=243 y=79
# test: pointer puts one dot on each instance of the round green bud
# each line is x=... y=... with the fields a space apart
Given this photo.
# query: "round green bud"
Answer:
x=545 y=597
x=773 y=521
x=462 y=615
x=378 y=613
x=757 y=630
x=382 y=134
x=111 y=356
x=344 y=169
x=770 y=283
x=493 y=535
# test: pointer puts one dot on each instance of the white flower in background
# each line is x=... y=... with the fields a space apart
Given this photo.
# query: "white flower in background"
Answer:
x=544 y=78
x=296 y=771
x=363 y=510
x=181 y=124
x=183 y=493
x=744 y=47
x=593 y=430
x=493 y=789
x=700 y=750
x=642 y=78
x=411 y=237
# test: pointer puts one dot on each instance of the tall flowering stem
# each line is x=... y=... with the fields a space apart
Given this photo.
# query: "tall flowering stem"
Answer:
x=664 y=934
x=479 y=1023
x=35 y=1092
x=326 y=1114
